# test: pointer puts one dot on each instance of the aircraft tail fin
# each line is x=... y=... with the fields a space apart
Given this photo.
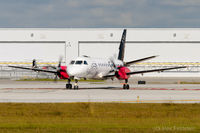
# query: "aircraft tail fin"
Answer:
x=122 y=46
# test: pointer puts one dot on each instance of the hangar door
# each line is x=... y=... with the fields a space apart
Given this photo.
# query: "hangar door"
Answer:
x=26 y=52
x=99 y=50
x=166 y=51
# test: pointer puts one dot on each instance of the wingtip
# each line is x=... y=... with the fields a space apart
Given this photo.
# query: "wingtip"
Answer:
x=156 y=55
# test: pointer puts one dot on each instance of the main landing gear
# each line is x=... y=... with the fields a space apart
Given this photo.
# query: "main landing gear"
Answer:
x=126 y=85
x=69 y=85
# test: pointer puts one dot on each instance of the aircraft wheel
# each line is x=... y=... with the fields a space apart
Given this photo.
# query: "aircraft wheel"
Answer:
x=76 y=84
x=124 y=86
x=127 y=86
x=68 y=86
x=75 y=87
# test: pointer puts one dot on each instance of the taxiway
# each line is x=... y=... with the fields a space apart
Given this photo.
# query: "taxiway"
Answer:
x=50 y=92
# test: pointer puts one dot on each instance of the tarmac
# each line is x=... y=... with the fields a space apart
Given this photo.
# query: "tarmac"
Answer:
x=55 y=92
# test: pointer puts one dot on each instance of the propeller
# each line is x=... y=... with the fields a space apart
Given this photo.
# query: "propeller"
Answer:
x=60 y=61
x=58 y=68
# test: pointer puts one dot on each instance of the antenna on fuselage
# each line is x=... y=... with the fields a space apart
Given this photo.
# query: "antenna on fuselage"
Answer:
x=122 y=46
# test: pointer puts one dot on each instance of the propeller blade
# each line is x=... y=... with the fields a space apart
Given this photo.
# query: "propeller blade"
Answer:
x=34 y=64
x=60 y=61
x=58 y=68
x=55 y=78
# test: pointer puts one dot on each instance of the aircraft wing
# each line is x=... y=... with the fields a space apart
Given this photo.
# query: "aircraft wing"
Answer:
x=34 y=69
x=154 y=70
x=139 y=60
x=147 y=71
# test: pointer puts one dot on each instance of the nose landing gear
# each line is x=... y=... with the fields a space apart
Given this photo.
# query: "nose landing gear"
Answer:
x=76 y=85
x=126 y=85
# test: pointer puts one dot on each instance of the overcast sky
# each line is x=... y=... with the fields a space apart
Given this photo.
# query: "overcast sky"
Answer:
x=99 y=13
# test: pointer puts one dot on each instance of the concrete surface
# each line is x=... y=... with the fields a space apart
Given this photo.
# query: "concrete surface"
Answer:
x=43 y=92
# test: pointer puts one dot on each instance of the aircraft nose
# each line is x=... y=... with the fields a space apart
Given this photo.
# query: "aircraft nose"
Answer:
x=71 y=71
x=76 y=71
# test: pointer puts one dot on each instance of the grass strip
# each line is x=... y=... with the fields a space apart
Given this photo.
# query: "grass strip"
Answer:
x=98 y=117
x=189 y=82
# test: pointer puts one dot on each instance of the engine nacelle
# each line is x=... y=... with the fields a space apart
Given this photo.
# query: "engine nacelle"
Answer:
x=63 y=73
x=121 y=73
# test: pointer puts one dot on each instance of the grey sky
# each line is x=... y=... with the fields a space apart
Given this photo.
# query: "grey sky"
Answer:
x=99 y=13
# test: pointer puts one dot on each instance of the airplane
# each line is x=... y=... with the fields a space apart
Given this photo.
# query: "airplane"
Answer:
x=97 y=68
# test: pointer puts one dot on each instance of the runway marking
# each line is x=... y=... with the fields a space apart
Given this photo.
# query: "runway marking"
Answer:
x=184 y=89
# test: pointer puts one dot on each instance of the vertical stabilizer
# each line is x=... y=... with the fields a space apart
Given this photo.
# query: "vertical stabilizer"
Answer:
x=122 y=46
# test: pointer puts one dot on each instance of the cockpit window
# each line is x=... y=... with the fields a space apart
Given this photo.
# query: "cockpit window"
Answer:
x=85 y=62
x=72 y=62
x=79 y=62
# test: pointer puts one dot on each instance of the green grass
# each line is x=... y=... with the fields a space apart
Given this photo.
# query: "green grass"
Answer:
x=98 y=117
x=189 y=82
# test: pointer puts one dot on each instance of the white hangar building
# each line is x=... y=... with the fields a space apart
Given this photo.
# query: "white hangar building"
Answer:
x=175 y=47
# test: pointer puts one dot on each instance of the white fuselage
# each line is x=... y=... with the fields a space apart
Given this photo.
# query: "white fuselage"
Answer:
x=93 y=68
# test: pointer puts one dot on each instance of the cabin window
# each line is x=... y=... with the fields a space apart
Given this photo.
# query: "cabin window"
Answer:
x=85 y=62
x=72 y=62
x=79 y=62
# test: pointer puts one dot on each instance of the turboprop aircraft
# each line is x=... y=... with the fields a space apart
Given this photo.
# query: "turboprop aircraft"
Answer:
x=99 y=68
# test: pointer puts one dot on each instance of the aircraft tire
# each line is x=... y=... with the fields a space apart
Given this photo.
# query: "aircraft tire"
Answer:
x=76 y=87
x=124 y=86
x=68 y=86
x=127 y=86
